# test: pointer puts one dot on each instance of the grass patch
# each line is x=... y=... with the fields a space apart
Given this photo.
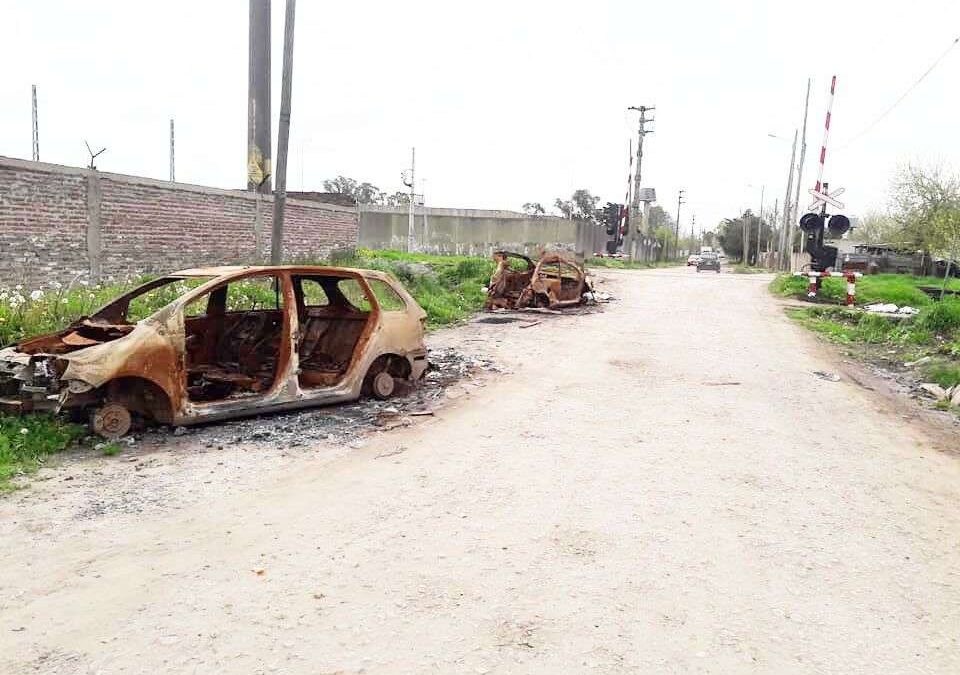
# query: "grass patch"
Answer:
x=899 y=289
x=449 y=288
x=26 y=442
x=944 y=373
x=110 y=449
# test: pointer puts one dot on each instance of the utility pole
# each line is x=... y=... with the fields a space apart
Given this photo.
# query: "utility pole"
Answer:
x=258 y=99
x=676 y=235
x=785 y=242
x=36 y=132
x=746 y=239
x=411 y=214
x=803 y=154
x=172 y=172
x=760 y=221
x=283 y=138
x=634 y=220
x=693 y=222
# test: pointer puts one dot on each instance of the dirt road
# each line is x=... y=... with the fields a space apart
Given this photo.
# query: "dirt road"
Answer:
x=664 y=487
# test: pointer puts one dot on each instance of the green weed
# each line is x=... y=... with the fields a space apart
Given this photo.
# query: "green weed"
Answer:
x=25 y=443
x=943 y=373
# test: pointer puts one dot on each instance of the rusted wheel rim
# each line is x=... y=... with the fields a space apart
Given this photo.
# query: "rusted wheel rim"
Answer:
x=383 y=385
x=111 y=421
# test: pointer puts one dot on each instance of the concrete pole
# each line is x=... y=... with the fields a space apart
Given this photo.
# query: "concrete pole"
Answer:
x=803 y=154
x=629 y=241
x=411 y=243
x=784 y=240
x=283 y=139
x=36 y=131
x=173 y=175
x=676 y=234
x=259 y=166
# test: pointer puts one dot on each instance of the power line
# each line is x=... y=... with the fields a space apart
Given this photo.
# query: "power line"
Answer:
x=902 y=96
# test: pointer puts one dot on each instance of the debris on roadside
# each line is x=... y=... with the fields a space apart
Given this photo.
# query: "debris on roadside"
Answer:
x=918 y=362
x=935 y=390
x=829 y=377
x=345 y=423
x=891 y=309
x=551 y=283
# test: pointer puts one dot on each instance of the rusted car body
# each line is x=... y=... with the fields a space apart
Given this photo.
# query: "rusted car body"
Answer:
x=552 y=282
x=238 y=341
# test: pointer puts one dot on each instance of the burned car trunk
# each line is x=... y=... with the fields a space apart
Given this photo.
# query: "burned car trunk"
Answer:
x=553 y=282
x=217 y=343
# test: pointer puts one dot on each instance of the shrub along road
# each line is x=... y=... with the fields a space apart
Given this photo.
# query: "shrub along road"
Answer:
x=665 y=486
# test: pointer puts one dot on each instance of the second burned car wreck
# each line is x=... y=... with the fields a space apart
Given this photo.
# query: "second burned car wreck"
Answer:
x=553 y=282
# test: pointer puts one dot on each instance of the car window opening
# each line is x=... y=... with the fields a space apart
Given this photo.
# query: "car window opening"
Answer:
x=233 y=346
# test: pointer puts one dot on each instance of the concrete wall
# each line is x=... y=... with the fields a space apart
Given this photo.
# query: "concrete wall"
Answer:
x=465 y=231
x=57 y=222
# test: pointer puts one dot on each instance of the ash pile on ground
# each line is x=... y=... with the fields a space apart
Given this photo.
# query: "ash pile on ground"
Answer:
x=344 y=423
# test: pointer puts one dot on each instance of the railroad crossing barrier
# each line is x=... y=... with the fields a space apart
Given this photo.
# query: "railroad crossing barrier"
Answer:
x=851 y=278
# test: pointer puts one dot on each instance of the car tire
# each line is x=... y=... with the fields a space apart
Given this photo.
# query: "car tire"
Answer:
x=698 y=270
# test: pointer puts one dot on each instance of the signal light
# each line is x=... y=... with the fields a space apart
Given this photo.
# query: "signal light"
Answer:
x=837 y=225
x=810 y=222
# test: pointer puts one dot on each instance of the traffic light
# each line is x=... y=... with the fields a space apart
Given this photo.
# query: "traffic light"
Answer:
x=611 y=218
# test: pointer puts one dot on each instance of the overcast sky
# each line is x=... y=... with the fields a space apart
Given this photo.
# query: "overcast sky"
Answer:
x=506 y=102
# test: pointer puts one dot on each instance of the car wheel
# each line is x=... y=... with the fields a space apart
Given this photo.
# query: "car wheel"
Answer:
x=111 y=421
x=698 y=270
x=383 y=385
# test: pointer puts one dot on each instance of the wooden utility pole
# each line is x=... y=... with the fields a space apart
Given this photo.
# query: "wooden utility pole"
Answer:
x=283 y=138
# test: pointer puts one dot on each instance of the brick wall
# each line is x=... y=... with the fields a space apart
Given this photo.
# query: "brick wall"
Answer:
x=56 y=222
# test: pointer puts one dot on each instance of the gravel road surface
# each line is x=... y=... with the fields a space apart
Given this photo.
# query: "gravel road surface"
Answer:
x=661 y=487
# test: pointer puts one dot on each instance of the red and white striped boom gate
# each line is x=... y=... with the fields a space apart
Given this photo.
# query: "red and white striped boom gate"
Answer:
x=851 y=278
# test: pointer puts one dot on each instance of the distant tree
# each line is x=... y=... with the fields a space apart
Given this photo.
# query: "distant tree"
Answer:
x=708 y=238
x=664 y=236
x=534 y=209
x=730 y=236
x=877 y=227
x=341 y=185
x=565 y=207
x=397 y=199
x=658 y=217
x=365 y=193
x=926 y=205
x=585 y=204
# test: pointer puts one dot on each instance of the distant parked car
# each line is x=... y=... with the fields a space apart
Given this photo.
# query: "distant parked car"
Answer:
x=693 y=260
x=709 y=261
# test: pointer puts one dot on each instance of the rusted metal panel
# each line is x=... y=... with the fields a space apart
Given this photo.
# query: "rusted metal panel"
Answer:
x=553 y=282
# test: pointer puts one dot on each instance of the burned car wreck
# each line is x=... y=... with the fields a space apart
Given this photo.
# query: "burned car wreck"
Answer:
x=552 y=282
x=231 y=342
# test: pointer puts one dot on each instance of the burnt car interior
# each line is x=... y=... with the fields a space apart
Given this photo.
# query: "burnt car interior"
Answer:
x=233 y=338
x=333 y=313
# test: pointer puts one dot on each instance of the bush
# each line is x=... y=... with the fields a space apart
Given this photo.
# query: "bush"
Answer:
x=941 y=317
